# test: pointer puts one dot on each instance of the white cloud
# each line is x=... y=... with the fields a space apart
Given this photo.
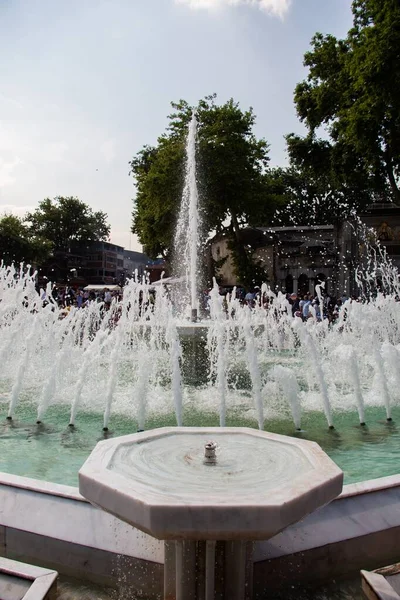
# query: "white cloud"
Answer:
x=6 y=171
x=108 y=150
x=18 y=211
x=278 y=8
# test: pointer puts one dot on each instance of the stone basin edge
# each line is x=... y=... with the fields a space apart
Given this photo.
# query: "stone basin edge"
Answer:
x=65 y=491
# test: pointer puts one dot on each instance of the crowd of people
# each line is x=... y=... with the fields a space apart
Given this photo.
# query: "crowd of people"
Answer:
x=324 y=307
x=304 y=306
x=66 y=296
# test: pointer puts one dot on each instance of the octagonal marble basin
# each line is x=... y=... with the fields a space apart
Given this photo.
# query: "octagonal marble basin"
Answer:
x=160 y=482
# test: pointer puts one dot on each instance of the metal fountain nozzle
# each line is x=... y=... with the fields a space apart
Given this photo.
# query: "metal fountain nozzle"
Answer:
x=210 y=457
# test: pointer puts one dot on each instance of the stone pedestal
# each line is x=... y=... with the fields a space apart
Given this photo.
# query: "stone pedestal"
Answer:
x=209 y=492
x=208 y=570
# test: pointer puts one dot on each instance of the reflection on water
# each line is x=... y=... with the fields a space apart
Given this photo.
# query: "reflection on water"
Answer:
x=55 y=452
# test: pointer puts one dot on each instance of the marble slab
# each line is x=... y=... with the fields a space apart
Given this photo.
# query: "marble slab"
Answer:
x=382 y=584
x=71 y=519
x=159 y=482
x=22 y=581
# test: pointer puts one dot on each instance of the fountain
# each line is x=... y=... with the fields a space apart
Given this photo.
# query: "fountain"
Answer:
x=140 y=364
x=71 y=377
x=187 y=237
x=209 y=500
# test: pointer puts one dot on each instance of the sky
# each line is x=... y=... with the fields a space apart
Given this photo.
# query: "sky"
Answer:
x=85 y=84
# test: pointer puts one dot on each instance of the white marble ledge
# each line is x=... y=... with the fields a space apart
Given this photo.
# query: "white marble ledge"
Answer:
x=60 y=512
x=41 y=487
x=376 y=587
x=343 y=519
x=67 y=491
x=42 y=580
x=370 y=485
x=59 y=517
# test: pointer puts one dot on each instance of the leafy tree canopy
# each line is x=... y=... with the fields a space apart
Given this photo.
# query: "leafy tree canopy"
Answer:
x=353 y=92
x=66 y=220
x=325 y=182
x=17 y=244
x=232 y=165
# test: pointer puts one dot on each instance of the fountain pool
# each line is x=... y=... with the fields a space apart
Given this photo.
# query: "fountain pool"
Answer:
x=68 y=377
x=54 y=452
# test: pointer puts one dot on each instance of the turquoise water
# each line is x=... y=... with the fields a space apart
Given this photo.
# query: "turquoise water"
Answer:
x=54 y=452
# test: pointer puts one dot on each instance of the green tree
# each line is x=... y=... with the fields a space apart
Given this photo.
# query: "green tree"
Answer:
x=17 y=244
x=325 y=182
x=232 y=166
x=353 y=92
x=66 y=221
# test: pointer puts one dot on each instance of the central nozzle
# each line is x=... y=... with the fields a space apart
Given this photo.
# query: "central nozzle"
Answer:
x=210 y=457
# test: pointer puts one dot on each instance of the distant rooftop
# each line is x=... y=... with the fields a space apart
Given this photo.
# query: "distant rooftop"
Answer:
x=297 y=228
x=381 y=208
x=136 y=256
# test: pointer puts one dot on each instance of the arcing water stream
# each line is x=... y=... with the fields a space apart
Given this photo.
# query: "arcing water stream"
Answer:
x=133 y=357
x=138 y=361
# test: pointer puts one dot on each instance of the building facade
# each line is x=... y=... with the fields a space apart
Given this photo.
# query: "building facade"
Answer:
x=95 y=263
x=105 y=263
x=134 y=263
x=297 y=258
x=384 y=219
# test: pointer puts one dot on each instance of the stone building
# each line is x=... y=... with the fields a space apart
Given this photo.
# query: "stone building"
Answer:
x=296 y=258
x=384 y=218
x=105 y=263
x=134 y=263
x=92 y=263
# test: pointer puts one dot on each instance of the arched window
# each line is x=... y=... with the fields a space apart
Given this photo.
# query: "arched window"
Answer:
x=303 y=286
x=289 y=284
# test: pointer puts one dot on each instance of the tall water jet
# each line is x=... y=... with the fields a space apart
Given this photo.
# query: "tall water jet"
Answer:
x=22 y=367
x=391 y=356
x=176 y=379
x=254 y=370
x=113 y=372
x=383 y=383
x=187 y=237
x=308 y=343
x=141 y=389
x=218 y=347
x=288 y=382
x=346 y=354
x=90 y=354
x=66 y=344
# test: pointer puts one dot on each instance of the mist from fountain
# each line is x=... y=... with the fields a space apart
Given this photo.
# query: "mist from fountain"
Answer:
x=217 y=343
x=290 y=388
x=383 y=382
x=132 y=358
x=187 y=235
x=348 y=361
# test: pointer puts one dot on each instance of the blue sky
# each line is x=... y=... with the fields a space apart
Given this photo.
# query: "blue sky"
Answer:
x=86 y=83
